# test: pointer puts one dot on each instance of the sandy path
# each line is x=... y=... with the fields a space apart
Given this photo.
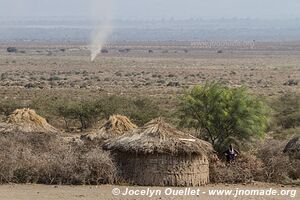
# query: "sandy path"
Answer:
x=41 y=192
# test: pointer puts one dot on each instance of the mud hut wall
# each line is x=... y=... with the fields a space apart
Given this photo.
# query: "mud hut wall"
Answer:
x=163 y=169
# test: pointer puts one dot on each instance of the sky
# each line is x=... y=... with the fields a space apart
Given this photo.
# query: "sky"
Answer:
x=153 y=9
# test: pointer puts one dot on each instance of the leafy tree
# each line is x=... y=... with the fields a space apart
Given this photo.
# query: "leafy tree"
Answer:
x=221 y=115
x=86 y=112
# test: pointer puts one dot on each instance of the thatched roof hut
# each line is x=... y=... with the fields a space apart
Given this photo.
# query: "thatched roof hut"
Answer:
x=115 y=126
x=26 y=121
x=160 y=155
x=293 y=147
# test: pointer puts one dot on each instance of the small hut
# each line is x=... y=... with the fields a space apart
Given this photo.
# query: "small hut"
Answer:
x=293 y=147
x=160 y=155
x=115 y=126
x=26 y=121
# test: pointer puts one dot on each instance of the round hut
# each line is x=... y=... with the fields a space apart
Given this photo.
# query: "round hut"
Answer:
x=293 y=147
x=26 y=121
x=115 y=126
x=160 y=155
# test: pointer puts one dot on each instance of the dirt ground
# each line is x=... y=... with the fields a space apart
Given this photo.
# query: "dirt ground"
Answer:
x=39 y=192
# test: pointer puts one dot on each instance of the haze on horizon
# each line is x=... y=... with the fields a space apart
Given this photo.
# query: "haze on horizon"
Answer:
x=155 y=9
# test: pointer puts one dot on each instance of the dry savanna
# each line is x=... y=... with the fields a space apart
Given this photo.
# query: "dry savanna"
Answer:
x=148 y=114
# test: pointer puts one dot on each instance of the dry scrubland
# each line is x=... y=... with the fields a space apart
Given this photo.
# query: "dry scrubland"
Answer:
x=39 y=72
x=268 y=69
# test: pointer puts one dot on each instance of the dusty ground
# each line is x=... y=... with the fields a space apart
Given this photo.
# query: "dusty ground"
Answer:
x=41 y=192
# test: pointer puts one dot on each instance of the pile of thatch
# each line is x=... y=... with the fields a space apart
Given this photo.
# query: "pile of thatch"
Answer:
x=158 y=137
x=293 y=147
x=26 y=120
x=115 y=126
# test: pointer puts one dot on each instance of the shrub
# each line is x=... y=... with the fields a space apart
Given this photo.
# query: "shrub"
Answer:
x=266 y=163
x=104 y=50
x=246 y=169
x=8 y=106
x=12 y=50
x=287 y=110
x=85 y=113
x=54 y=78
x=140 y=111
x=277 y=166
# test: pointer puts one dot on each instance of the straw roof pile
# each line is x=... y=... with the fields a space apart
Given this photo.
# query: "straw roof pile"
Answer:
x=26 y=120
x=116 y=125
x=158 y=137
x=293 y=147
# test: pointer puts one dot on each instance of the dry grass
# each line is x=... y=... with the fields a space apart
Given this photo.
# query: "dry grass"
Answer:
x=26 y=120
x=115 y=126
x=118 y=124
x=158 y=137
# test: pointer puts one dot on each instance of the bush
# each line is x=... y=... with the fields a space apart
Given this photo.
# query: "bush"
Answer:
x=85 y=113
x=140 y=111
x=71 y=113
x=8 y=106
x=54 y=78
x=277 y=167
x=287 y=111
x=45 y=159
x=246 y=169
x=12 y=50
x=265 y=164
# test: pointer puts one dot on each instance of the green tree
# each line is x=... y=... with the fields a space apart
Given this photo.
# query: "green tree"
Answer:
x=86 y=112
x=220 y=114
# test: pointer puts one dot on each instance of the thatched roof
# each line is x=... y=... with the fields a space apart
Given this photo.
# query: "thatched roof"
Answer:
x=115 y=126
x=293 y=147
x=158 y=137
x=26 y=120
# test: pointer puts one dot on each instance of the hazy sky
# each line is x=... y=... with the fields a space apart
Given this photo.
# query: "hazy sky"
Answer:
x=155 y=9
